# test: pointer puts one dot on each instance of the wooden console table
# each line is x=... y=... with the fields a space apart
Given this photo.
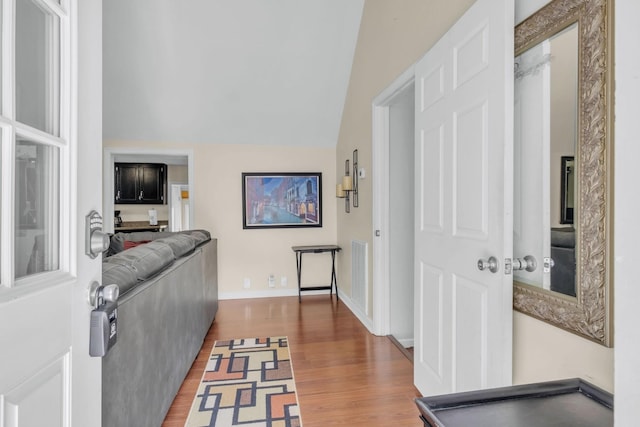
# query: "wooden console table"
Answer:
x=316 y=249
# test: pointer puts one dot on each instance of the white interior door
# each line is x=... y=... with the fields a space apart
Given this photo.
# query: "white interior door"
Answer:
x=179 y=207
x=464 y=172
x=51 y=177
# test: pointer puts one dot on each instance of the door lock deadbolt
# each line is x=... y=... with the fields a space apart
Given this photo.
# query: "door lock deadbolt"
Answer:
x=96 y=241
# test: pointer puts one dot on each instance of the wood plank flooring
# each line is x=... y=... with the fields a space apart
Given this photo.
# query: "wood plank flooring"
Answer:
x=344 y=375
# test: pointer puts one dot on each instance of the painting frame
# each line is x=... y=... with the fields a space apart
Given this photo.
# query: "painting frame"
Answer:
x=281 y=200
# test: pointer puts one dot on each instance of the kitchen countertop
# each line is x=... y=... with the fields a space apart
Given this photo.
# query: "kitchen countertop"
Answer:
x=141 y=226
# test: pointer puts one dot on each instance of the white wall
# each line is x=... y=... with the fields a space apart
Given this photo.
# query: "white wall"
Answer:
x=627 y=205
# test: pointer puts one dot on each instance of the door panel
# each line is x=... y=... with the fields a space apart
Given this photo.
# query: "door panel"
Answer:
x=432 y=151
x=30 y=340
x=51 y=178
x=470 y=55
x=430 y=355
x=470 y=176
x=42 y=399
x=470 y=304
x=464 y=157
x=432 y=85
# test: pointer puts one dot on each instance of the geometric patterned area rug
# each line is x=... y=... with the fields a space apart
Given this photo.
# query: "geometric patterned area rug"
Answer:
x=247 y=382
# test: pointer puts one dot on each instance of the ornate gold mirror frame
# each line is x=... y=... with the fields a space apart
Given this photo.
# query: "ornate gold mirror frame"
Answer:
x=589 y=314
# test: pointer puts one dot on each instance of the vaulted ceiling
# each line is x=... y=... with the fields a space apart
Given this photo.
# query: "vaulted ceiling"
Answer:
x=227 y=71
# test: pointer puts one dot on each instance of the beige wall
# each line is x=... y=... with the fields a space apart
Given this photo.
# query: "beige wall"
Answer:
x=256 y=254
x=394 y=35
x=543 y=352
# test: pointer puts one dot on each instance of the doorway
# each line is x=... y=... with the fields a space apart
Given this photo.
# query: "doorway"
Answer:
x=174 y=159
x=393 y=152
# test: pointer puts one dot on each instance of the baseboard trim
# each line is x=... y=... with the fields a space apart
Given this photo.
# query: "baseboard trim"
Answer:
x=362 y=317
x=403 y=349
x=267 y=293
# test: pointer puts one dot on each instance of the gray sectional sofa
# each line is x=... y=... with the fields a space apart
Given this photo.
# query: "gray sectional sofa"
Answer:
x=168 y=300
x=563 y=254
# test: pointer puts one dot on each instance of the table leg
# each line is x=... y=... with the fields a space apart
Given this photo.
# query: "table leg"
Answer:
x=334 y=278
x=299 y=270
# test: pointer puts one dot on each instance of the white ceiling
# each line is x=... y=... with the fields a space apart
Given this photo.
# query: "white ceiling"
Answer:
x=227 y=71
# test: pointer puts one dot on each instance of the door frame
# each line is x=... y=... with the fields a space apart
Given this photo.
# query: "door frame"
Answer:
x=380 y=154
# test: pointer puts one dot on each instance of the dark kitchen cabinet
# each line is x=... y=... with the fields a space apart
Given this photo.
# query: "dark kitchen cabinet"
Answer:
x=140 y=183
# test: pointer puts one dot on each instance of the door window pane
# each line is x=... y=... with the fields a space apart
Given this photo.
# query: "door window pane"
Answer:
x=37 y=67
x=2 y=75
x=1 y=167
x=37 y=208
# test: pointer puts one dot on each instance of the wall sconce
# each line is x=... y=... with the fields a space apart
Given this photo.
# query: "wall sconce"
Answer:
x=355 y=178
x=349 y=185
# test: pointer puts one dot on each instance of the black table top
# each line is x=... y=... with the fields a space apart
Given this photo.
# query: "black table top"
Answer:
x=564 y=403
x=316 y=248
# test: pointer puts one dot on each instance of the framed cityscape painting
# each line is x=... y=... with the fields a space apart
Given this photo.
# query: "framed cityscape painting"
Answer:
x=276 y=200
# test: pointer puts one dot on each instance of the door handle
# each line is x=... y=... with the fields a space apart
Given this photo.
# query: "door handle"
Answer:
x=99 y=294
x=96 y=241
x=491 y=264
x=527 y=263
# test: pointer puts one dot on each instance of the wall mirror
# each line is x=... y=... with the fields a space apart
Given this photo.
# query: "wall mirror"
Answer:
x=562 y=186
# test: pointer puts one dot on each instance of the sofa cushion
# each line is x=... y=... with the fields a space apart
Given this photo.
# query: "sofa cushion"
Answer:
x=200 y=236
x=121 y=275
x=145 y=260
x=181 y=244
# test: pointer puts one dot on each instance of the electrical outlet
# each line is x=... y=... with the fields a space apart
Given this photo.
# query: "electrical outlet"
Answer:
x=247 y=283
x=272 y=281
x=283 y=281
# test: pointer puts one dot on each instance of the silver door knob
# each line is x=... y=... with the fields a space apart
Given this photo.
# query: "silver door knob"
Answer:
x=527 y=263
x=491 y=264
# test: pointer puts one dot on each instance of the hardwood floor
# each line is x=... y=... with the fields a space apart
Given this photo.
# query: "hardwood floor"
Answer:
x=344 y=375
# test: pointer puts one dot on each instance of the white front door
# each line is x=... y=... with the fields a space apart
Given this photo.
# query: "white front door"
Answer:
x=50 y=176
x=464 y=168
